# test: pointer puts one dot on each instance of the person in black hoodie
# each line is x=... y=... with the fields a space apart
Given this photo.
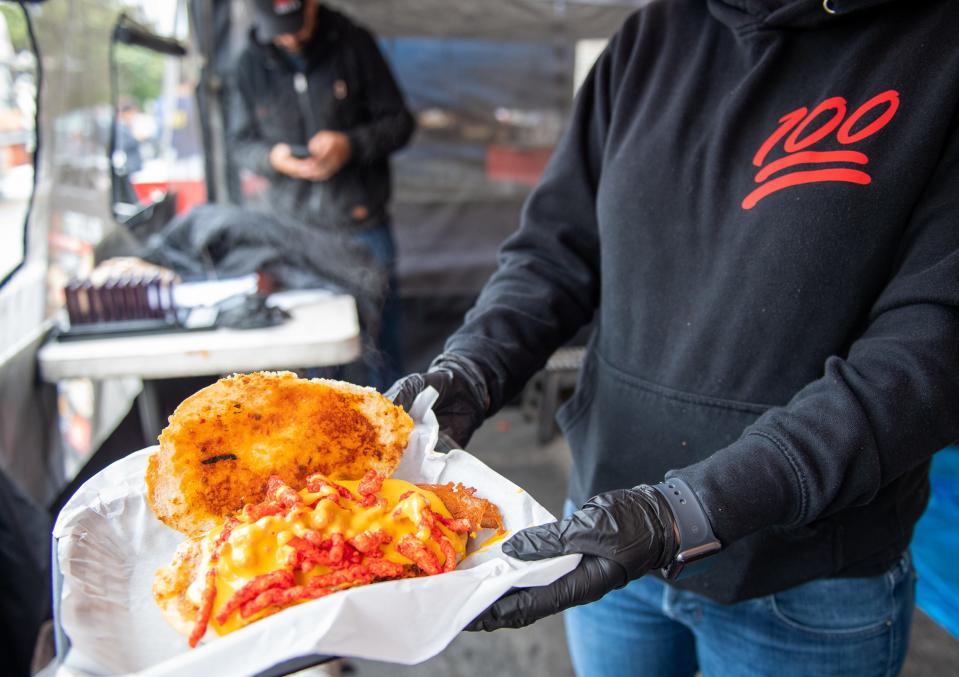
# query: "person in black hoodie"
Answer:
x=756 y=204
x=317 y=111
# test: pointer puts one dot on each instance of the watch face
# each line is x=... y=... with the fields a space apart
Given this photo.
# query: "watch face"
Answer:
x=689 y=561
x=698 y=552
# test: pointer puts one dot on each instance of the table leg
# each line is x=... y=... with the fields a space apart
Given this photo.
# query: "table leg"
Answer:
x=148 y=405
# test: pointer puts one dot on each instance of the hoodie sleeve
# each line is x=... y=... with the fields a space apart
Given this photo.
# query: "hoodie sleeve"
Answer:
x=547 y=283
x=249 y=149
x=391 y=124
x=878 y=411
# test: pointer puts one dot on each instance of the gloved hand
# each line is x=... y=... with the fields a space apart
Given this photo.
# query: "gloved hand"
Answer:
x=622 y=534
x=463 y=401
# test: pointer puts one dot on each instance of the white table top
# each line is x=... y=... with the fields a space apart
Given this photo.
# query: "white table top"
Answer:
x=323 y=332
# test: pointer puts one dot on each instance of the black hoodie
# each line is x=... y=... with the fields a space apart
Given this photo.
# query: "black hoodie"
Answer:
x=760 y=210
x=346 y=86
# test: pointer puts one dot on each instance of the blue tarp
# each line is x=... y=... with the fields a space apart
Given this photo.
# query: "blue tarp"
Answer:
x=935 y=545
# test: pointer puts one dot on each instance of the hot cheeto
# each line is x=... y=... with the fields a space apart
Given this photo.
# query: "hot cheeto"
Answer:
x=296 y=546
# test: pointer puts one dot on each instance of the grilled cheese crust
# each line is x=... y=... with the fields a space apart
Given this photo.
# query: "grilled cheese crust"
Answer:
x=223 y=442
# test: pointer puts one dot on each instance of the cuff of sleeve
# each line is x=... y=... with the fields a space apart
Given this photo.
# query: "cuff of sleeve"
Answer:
x=750 y=485
x=264 y=166
x=359 y=150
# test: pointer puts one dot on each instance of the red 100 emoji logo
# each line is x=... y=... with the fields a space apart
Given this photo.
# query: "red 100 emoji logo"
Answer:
x=803 y=131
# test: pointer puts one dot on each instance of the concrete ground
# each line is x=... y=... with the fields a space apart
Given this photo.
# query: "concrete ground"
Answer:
x=507 y=443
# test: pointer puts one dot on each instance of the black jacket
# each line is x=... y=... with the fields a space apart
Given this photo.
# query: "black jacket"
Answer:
x=761 y=210
x=347 y=87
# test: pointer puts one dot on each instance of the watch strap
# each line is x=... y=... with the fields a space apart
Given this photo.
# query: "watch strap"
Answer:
x=696 y=538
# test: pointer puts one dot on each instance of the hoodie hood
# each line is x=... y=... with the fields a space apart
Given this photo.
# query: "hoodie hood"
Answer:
x=786 y=13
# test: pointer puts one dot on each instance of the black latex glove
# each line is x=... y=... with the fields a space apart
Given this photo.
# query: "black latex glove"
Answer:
x=622 y=534
x=463 y=400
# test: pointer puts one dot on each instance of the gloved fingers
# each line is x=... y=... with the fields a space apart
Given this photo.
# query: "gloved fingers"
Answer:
x=503 y=613
x=404 y=392
x=621 y=525
x=458 y=416
x=587 y=531
x=539 y=542
x=593 y=578
x=457 y=428
x=445 y=443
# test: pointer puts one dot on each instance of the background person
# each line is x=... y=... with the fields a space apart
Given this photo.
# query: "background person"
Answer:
x=318 y=113
x=755 y=203
x=127 y=158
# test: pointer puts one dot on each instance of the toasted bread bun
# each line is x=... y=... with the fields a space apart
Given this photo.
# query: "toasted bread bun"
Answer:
x=224 y=442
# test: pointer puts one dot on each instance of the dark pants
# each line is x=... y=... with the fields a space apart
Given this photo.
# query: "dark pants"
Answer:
x=384 y=357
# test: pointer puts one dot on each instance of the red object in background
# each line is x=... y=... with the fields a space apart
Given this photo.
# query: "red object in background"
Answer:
x=16 y=155
x=189 y=194
x=254 y=185
x=516 y=165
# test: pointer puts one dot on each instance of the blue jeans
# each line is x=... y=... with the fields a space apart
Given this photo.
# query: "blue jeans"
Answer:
x=842 y=626
x=384 y=357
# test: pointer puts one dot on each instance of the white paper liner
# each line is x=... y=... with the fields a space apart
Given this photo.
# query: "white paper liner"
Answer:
x=110 y=544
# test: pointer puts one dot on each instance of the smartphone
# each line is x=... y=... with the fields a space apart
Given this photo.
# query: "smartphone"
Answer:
x=299 y=151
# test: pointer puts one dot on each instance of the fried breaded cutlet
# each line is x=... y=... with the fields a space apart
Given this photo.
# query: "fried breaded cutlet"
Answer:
x=463 y=502
x=225 y=441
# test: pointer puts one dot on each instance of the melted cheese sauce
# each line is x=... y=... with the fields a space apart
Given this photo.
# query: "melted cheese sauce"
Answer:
x=493 y=540
x=261 y=547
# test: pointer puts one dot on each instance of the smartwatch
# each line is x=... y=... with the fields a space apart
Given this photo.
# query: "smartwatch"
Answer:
x=696 y=538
